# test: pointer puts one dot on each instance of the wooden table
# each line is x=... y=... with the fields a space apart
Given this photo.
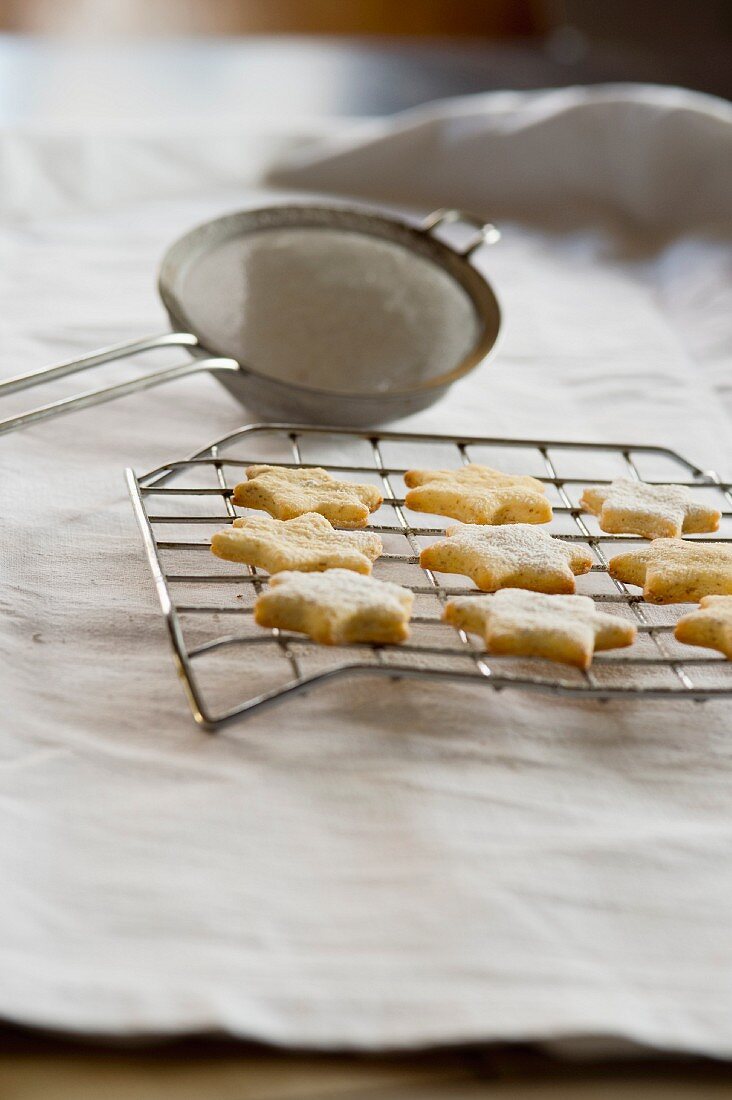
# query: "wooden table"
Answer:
x=49 y=80
x=34 y=1067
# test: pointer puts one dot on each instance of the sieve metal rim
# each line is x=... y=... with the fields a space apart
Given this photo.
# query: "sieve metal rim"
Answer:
x=418 y=238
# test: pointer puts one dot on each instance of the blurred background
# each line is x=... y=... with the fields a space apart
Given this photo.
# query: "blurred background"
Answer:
x=167 y=58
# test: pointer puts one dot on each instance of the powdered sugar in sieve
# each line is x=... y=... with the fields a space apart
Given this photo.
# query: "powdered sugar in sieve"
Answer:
x=331 y=309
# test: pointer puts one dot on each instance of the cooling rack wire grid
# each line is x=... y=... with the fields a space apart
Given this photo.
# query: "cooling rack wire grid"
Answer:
x=231 y=668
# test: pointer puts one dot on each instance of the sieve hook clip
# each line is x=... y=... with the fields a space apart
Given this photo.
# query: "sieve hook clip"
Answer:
x=487 y=232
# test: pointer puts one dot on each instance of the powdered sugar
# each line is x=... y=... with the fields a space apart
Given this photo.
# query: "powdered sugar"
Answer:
x=676 y=570
x=662 y=500
x=521 y=545
x=307 y=543
x=475 y=476
x=345 y=592
x=286 y=493
x=516 y=609
x=331 y=309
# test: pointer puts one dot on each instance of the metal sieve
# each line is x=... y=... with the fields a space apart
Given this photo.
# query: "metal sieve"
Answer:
x=322 y=314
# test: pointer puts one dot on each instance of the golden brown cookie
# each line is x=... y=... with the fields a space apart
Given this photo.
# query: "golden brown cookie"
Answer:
x=515 y=556
x=710 y=626
x=676 y=571
x=567 y=629
x=336 y=607
x=477 y=494
x=307 y=543
x=654 y=511
x=286 y=493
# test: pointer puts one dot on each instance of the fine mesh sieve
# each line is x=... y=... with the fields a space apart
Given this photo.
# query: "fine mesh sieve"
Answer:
x=324 y=314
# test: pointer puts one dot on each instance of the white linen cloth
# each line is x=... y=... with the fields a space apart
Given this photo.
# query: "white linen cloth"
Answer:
x=361 y=868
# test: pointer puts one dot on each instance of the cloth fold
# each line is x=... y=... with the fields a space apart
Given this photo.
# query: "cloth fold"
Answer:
x=659 y=159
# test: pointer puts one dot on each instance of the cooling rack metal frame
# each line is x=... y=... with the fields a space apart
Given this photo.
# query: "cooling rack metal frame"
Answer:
x=495 y=673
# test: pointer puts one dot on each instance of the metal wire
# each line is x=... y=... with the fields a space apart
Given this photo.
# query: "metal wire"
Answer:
x=455 y=656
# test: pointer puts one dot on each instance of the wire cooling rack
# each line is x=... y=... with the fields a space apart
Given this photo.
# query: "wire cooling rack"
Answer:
x=231 y=668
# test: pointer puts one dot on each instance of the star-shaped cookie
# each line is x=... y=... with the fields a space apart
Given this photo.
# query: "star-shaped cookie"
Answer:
x=477 y=494
x=676 y=571
x=307 y=543
x=709 y=626
x=515 y=556
x=567 y=629
x=286 y=493
x=336 y=607
x=654 y=511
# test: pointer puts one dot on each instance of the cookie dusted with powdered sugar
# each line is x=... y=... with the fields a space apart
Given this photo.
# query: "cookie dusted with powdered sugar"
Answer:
x=676 y=571
x=477 y=494
x=514 y=556
x=654 y=511
x=567 y=629
x=286 y=494
x=710 y=626
x=307 y=543
x=336 y=607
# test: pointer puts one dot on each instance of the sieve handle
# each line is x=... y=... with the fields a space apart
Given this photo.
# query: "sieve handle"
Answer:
x=487 y=232
x=106 y=393
x=95 y=359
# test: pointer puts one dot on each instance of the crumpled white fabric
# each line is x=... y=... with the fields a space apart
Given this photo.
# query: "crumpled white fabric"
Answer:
x=360 y=868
